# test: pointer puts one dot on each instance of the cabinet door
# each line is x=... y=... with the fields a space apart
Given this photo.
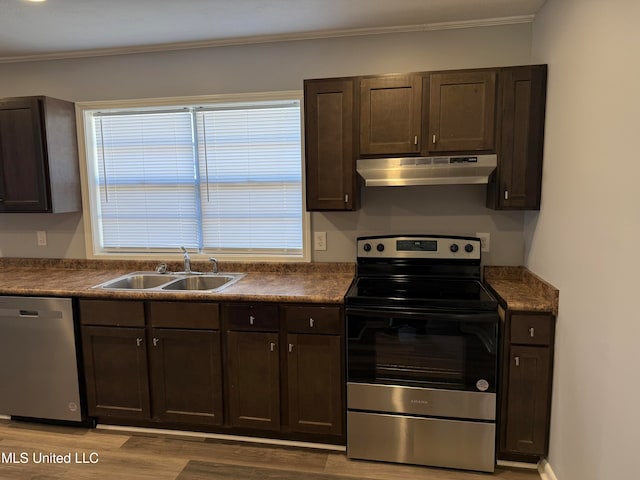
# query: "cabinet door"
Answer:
x=528 y=400
x=462 y=111
x=186 y=376
x=390 y=110
x=115 y=362
x=519 y=174
x=329 y=147
x=315 y=383
x=254 y=380
x=22 y=162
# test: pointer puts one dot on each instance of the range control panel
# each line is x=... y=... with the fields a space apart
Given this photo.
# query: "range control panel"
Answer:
x=409 y=246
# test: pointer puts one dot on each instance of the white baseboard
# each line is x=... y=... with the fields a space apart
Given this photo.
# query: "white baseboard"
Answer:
x=236 y=438
x=509 y=463
x=545 y=471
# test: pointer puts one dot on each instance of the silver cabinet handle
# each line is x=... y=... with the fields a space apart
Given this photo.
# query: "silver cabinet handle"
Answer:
x=138 y=342
x=415 y=140
x=506 y=194
x=311 y=322
x=346 y=198
x=251 y=319
x=272 y=346
x=517 y=359
x=155 y=341
x=532 y=332
x=290 y=347
x=433 y=139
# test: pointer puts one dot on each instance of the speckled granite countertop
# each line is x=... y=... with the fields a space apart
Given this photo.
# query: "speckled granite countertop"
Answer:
x=519 y=289
x=305 y=283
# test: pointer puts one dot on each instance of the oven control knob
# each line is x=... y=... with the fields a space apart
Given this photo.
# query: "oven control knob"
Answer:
x=380 y=247
x=468 y=248
x=454 y=247
x=366 y=247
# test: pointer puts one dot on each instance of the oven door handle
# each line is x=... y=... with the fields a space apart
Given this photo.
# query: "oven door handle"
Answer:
x=479 y=317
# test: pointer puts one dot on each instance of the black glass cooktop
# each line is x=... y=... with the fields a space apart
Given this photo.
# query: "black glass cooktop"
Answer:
x=418 y=292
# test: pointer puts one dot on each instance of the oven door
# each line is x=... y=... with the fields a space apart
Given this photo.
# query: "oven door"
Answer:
x=454 y=350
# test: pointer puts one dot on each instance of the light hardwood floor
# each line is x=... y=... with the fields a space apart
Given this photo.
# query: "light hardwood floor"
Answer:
x=152 y=456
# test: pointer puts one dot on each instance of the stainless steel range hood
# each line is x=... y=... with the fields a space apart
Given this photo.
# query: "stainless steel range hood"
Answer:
x=388 y=172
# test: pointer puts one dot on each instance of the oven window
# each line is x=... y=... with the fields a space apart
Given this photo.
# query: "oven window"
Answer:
x=438 y=353
x=412 y=354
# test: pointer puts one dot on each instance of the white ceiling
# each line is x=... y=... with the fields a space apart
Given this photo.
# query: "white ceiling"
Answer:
x=71 y=28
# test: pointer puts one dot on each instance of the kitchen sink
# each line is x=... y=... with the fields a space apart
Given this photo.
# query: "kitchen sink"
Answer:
x=203 y=282
x=150 y=281
x=138 y=281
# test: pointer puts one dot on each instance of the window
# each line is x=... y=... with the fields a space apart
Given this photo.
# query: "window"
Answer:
x=222 y=175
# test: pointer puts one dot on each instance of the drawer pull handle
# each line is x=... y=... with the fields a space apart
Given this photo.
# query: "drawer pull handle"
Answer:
x=272 y=346
x=138 y=342
x=517 y=359
x=532 y=332
x=311 y=322
x=155 y=341
x=251 y=319
x=290 y=347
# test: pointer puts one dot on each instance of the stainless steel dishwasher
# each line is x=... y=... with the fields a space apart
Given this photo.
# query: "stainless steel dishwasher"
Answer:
x=38 y=363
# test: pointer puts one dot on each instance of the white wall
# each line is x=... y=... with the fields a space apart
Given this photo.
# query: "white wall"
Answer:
x=283 y=66
x=584 y=240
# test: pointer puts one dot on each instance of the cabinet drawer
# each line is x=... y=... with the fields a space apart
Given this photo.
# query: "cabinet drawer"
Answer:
x=252 y=317
x=312 y=319
x=115 y=313
x=532 y=329
x=204 y=316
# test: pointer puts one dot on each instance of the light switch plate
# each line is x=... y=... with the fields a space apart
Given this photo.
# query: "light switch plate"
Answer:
x=320 y=241
x=41 y=235
x=485 y=241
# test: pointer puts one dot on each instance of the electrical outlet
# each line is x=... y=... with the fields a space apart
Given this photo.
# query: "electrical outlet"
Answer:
x=485 y=241
x=320 y=241
x=41 y=235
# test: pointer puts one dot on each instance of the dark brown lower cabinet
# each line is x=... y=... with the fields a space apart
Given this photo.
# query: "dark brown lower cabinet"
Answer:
x=527 y=374
x=276 y=370
x=528 y=400
x=170 y=371
x=115 y=363
x=186 y=376
x=254 y=379
x=315 y=383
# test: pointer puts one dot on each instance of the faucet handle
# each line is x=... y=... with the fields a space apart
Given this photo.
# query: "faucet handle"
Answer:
x=162 y=268
x=214 y=264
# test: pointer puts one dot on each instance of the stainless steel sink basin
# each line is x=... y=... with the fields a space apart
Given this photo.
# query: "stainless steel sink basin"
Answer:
x=151 y=281
x=213 y=282
x=138 y=281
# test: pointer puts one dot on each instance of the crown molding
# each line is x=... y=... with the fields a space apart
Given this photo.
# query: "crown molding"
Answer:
x=261 y=39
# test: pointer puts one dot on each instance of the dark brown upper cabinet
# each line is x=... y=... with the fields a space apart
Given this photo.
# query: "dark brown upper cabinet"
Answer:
x=390 y=115
x=38 y=156
x=329 y=146
x=517 y=181
x=461 y=108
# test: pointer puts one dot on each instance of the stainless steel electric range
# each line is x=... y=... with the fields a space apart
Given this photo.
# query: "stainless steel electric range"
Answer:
x=421 y=353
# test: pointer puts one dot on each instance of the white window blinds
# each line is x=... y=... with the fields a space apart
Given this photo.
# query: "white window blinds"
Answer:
x=250 y=160
x=224 y=178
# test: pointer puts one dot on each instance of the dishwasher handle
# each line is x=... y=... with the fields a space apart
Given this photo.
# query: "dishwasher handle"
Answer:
x=29 y=313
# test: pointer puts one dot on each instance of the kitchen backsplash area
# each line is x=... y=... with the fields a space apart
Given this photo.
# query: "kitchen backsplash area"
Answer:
x=438 y=209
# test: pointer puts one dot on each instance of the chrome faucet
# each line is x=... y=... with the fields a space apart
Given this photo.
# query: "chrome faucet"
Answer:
x=187 y=260
x=214 y=264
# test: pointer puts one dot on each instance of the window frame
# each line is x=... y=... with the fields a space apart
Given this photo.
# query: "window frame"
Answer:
x=84 y=111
